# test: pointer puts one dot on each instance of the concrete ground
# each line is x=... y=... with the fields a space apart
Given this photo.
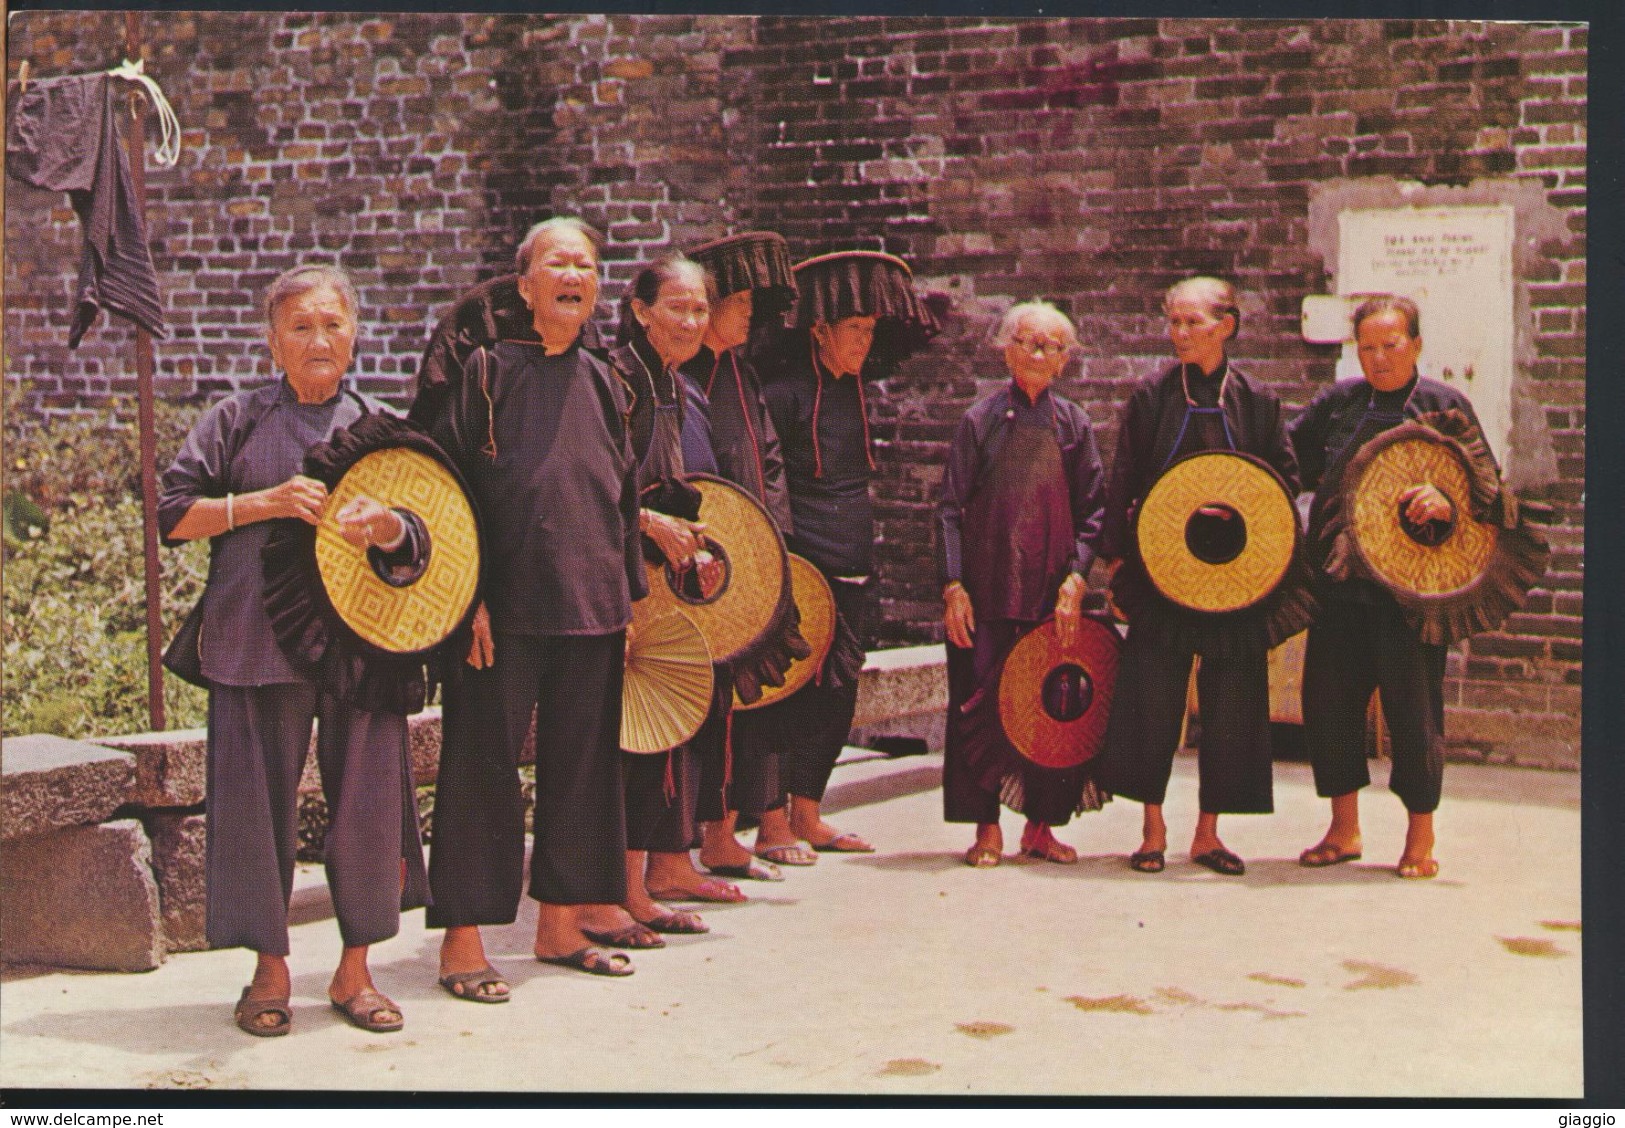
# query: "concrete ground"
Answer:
x=905 y=972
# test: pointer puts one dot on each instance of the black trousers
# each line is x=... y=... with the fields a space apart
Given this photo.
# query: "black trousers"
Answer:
x=476 y=864
x=259 y=737
x=817 y=719
x=1353 y=649
x=662 y=792
x=758 y=784
x=1148 y=707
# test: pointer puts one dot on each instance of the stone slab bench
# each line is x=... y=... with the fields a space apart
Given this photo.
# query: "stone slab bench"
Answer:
x=102 y=864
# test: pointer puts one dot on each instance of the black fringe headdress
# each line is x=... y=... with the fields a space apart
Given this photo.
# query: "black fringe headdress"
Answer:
x=758 y=261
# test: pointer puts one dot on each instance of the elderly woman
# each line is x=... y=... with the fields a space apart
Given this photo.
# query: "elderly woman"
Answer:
x=1361 y=640
x=536 y=423
x=1201 y=403
x=664 y=318
x=235 y=476
x=1022 y=506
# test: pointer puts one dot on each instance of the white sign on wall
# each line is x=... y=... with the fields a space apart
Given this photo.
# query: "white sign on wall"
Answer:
x=1456 y=264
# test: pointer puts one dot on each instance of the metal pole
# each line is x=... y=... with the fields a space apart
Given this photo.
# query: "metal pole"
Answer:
x=136 y=142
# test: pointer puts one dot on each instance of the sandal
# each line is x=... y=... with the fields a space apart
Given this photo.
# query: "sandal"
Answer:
x=248 y=1012
x=1220 y=860
x=791 y=854
x=843 y=844
x=363 y=1008
x=677 y=924
x=982 y=857
x=1326 y=854
x=593 y=961
x=715 y=892
x=470 y=986
x=1147 y=861
x=1051 y=850
x=637 y=936
x=1418 y=871
x=752 y=870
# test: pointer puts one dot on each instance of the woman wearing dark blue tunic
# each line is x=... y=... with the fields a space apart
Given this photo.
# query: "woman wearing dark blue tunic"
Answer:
x=1022 y=505
x=236 y=475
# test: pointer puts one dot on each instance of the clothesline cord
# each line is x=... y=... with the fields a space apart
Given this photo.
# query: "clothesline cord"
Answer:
x=169 y=138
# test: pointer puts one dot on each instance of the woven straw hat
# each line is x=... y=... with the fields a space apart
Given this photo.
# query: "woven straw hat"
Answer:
x=1209 y=564
x=414 y=617
x=666 y=693
x=1053 y=703
x=816 y=605
x=739 y=532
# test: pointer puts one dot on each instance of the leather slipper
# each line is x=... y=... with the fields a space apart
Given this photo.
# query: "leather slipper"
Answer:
x=1318 y=857
x=752 y=870
x=713 y=892
x=1052 y=851
x=677 y=924
x=1221 y=861
x=470 y=985
x=637 y=936
x=593 y=961
x=1147 y=861
x=248 y=1012
x=843 y=844
x=790 y=854
x=362 y=1010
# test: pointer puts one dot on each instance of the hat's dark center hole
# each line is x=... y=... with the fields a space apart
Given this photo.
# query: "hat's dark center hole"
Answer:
x=398 y=569
x=1216 y=534
x=1067 y=692
x=1431 y=534
x=701 y=583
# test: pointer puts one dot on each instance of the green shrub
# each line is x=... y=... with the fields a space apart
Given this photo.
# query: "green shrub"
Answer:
x=74 y=595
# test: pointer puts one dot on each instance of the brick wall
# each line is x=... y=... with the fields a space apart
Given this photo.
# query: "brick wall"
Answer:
x=1088 y=161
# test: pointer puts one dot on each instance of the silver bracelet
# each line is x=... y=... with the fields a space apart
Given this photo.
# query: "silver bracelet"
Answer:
x=231 y=513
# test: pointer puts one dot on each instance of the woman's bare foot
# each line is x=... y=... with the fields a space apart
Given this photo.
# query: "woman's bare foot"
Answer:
x=673 y=876
x=558 y=927
x=719 y=847
x=1418 y=861
x=1341 y=842
x=808 y=825
x=1153 y=831
x=1038 y=841
x=461 y=951
x=271 y=983
x=988 y=850
x=776 y=842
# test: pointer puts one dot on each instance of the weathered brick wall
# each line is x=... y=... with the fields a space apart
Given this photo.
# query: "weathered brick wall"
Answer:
x=1088 y=161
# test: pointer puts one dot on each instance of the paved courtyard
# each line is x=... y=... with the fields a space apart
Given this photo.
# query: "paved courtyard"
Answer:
x=905 y=972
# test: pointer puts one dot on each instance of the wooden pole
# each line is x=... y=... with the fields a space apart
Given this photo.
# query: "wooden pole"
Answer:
x=136 y=143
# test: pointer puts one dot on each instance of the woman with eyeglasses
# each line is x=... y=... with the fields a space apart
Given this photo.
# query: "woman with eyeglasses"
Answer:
x=1023 y=502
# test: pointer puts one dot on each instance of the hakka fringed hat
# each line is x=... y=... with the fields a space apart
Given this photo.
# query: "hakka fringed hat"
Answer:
x=666 y=691
x=1054 y=702
x=1217 y=564
x=746 y=603
x=1454 y=578
x=335 y=609
x=865 y=284
x=758 y=261
x=816 y=605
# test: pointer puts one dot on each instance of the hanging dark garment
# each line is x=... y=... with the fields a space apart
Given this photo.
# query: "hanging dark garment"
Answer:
x=63 y=137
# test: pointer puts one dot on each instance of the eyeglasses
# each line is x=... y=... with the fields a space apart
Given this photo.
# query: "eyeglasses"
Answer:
x=1043 y=348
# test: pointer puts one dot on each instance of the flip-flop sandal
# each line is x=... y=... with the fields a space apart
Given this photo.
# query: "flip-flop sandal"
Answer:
x=1058 y=852
x=1221 y=861
x=248 y=1012
x=469 y=985
x=843 y=844
x=593 y=961
x=752 y=870
x=638 y=937
x=1319 y=857
x=1418 y=871
x=362 y=1007
x=712 y=892
x=677 y=924
x=1147 y=861
x=982 y=857
x=787 y=855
